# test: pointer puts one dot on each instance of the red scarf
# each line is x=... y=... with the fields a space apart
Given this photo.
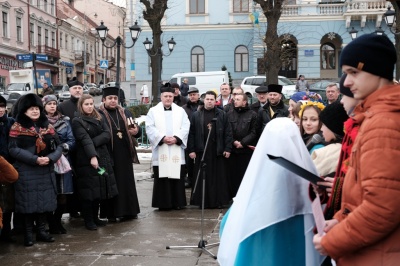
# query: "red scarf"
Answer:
x=18 y=130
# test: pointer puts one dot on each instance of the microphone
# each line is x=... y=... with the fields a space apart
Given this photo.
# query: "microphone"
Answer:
x=316 y=138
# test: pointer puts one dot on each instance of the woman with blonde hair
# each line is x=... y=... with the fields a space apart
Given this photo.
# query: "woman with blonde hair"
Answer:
x=95 y=176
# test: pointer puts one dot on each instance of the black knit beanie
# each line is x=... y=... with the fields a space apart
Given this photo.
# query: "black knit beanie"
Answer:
x=333 y=117
x=345 y=90
x=371 y=53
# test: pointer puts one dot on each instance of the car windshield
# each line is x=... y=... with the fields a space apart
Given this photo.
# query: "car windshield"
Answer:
x=285 y=81
x=16 y=87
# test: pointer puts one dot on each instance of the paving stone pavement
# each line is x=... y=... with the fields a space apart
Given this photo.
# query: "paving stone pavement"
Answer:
x=137 y=242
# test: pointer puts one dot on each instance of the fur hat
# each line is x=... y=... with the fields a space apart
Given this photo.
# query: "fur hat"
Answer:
x=110 y=91
x=29 y=100
x=167 y=88
x=275 y=88
x=345 y=90
x=74 y=82
x=371 y=53
x=3 y=101
x=48 y=98
x=333 y=117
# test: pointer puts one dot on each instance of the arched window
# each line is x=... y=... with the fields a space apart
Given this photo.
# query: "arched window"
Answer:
x=241 y=59
x=328 y=56
x=197 y=55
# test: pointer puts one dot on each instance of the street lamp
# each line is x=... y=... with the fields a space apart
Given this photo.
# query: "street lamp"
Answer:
x=84 y=47
x=353 y=33
x=159 y=53
x=102 y=30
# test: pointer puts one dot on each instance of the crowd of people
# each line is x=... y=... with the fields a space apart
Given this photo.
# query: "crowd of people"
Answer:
x=217 y=147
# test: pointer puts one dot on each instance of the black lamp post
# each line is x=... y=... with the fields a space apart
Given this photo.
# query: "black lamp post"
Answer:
x=159 y=53
x=390 y=17
x=353 y=33
x=135 y=32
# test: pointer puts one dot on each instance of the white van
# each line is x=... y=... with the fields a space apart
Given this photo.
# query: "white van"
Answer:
x=204 y=81
x=249 y=85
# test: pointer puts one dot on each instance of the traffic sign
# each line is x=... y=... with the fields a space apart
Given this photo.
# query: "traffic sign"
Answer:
x=24 y=57
x=104 y=64
x=42 y=57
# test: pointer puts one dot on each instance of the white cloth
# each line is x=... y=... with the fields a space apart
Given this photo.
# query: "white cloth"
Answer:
x=144 y=91
x=269 y=193
x=160 y=123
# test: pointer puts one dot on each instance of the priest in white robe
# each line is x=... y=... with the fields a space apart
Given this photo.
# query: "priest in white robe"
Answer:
x=167 y=128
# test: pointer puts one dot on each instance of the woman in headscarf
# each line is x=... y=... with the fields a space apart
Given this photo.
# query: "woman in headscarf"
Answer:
x=270 y=221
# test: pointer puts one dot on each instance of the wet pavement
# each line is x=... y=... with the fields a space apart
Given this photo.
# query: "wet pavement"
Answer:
x=137 y=242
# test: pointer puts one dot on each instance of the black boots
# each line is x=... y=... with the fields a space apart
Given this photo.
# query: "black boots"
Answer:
x=28 y=236
x=54 y=219
x=87 y=213
x=96 y=220
x=41 y=234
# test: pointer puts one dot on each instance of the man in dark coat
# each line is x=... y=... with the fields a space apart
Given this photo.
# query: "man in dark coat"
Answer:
x=46 y=89
x=262 y=96
x=184 y=88
x=231 y=104
x=274 y=108
x=190 y=107
x=243 y=122
x=213 y=120
x=122 y=150
x=68 y=108
x=178 y=98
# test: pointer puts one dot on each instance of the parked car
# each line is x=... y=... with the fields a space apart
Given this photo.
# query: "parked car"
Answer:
x=12 y=98
x=64 y=95
x=249 y=84
x=93 y=89
x=58 y=88
x=320 y=87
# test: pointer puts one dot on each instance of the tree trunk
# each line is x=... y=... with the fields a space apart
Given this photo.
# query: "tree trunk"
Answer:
x=154 y=13
x=272 y=58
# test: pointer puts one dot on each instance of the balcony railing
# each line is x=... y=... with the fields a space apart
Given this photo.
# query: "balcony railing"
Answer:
x=50 y=51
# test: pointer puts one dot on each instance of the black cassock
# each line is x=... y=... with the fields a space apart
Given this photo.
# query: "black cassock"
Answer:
x=216 y=187
x=126 y=204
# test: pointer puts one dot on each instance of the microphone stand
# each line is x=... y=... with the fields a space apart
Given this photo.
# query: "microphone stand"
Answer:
x=203 y=245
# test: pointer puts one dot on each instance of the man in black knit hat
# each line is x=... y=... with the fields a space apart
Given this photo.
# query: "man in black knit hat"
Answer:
x=366 y=229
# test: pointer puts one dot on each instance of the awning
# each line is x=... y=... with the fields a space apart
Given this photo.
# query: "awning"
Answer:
x=67 y=64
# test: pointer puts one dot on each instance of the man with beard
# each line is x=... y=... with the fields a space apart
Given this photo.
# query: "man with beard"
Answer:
x=243 y=122
x=68 y=108
x=217 y=152
x=167 y=128
x=272 y=109
x=190 y=107
x=125 y=205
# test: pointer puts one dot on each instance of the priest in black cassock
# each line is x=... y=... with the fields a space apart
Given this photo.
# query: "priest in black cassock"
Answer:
x=125 y=206
x=218 y=151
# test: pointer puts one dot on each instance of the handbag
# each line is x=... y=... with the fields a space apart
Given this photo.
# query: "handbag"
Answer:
x=62 y=166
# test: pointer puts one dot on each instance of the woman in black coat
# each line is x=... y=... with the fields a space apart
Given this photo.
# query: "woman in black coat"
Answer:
x=92 y=136
x=33 y=145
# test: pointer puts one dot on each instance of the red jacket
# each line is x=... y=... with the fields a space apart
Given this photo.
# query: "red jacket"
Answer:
x=368 y=232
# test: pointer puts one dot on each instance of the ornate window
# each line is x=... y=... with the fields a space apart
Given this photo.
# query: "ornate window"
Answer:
x=197 y=61
x=39 y=35
x=241 y=59
x=32 y=34
x=328 y=56
x=5 y=24
x=19 y=29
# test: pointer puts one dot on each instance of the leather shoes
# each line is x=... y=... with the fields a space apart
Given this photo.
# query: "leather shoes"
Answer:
x=43 y=237
x=91 y=226
x=100 y=223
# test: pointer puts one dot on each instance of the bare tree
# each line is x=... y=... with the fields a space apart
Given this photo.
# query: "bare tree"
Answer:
x=272 y=10
x=153 y=14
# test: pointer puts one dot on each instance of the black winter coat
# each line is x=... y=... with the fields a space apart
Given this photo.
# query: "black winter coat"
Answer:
x=190 y=107
x=196 y=135
x=243 y=122
x=5 y=125
x=69 y=107
x=91 y=139
x=264 y=115
x=35 y=189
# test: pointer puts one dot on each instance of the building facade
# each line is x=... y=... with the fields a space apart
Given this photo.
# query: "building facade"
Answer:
x=210 y=34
